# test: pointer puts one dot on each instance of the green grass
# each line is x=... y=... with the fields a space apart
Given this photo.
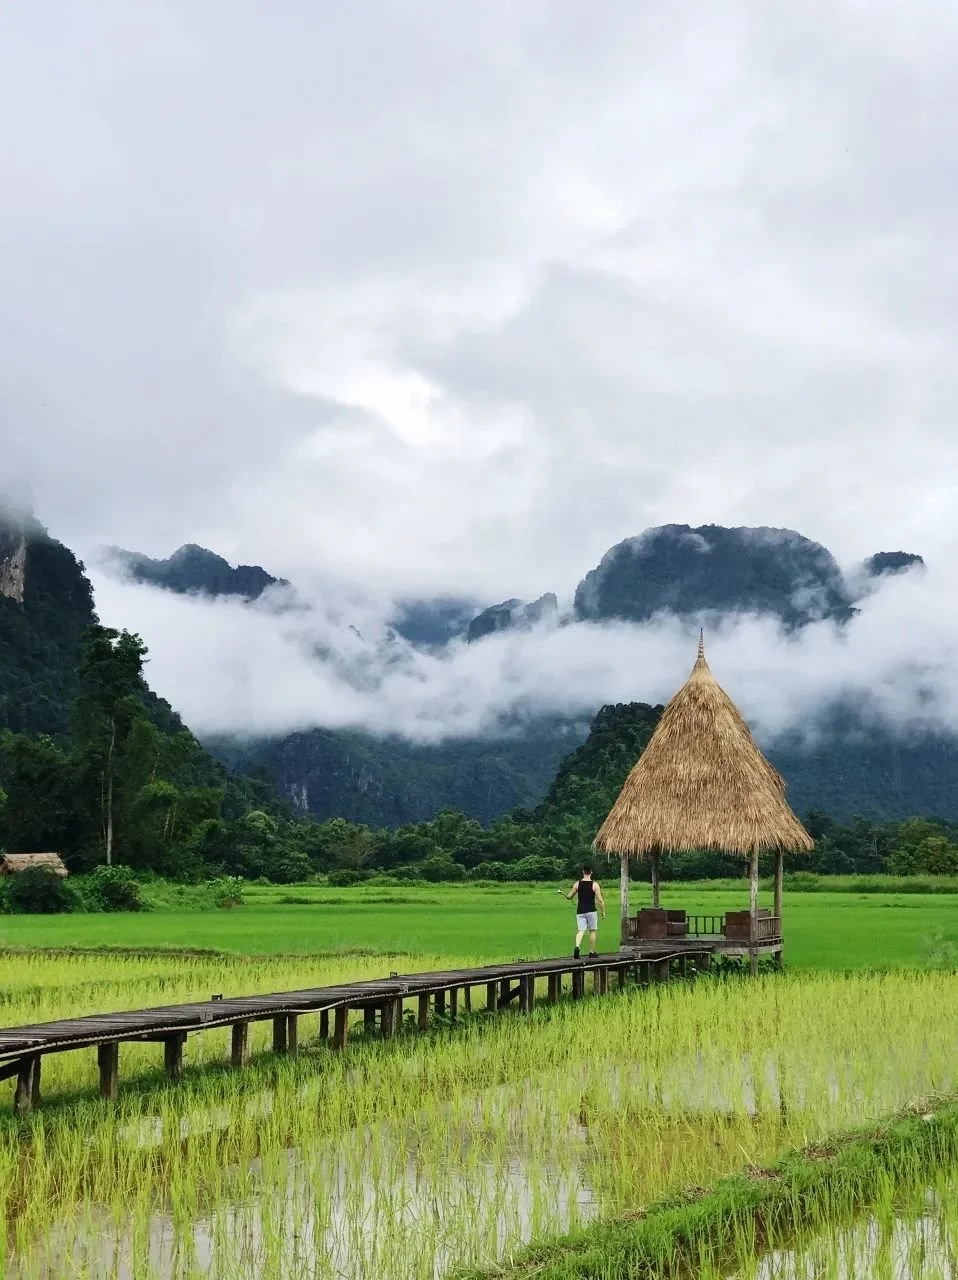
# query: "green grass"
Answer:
x=840 y=930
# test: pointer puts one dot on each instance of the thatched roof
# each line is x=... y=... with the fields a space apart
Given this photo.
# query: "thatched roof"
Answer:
x=13 y=862
x=701 y=783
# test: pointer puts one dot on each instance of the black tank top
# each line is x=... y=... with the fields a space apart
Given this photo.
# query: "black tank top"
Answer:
x=586 y=902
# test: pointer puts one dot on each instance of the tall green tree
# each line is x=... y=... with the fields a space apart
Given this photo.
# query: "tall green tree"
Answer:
x=111 y=680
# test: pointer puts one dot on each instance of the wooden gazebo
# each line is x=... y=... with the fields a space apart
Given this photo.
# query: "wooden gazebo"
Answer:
x=702 y=783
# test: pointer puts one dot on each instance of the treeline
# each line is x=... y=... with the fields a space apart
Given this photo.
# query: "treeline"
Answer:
x=129 y=786
x=126 y=783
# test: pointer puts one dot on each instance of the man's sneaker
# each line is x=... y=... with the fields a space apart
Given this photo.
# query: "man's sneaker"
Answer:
x=575 y=954
x=593 y=955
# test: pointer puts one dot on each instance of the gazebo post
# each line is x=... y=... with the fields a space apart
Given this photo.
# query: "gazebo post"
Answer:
x=655 y=877
x=779 y=877
x=753 y=912
x=624 y=897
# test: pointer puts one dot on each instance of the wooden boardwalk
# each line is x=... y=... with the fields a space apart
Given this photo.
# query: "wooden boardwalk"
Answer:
x=381 y=1002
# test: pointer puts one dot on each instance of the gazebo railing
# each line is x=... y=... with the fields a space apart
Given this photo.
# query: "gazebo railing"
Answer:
x=705 y=926
x=680 y=925
x=769 y=927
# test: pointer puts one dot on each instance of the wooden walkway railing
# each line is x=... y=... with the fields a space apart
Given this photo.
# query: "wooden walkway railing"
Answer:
x=382 y=1003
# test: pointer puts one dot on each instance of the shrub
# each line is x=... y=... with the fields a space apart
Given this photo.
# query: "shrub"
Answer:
x=806 y=881
x=537 y=868
x=39 y=891
x=290 y=866
x=346 y=876
x=497 y=871
x=405 y=875
x=113 y=889
x=441 y=867
x=227 y=891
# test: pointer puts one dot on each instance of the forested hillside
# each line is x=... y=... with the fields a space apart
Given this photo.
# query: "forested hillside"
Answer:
x=391 y=781
x=43 y=615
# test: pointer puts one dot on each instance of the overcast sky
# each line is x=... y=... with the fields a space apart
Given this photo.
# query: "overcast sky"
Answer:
x=441 y=294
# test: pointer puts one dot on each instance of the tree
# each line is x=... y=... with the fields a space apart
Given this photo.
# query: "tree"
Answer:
x=41 y=812
x=111 y=677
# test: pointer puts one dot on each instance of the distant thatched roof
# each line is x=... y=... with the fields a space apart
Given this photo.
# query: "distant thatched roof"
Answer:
x=12 y=862
x=701 y=783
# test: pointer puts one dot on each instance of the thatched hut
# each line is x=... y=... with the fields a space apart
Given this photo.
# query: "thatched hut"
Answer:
x=702 y=783
x=11 y=863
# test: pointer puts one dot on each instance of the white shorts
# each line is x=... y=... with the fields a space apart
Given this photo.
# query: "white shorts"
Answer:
x=589 y=921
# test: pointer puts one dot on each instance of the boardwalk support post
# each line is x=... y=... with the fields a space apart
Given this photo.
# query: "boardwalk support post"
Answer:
x=108 y=1062
x=555 y=987
x=279 y=1033
x=423 y=1018
x=239 y=1044
x=173 y=1055
x=324 y=1025
x=492 y=997
x=391 y=1020
x=527 y=993
x=341 y=1028
x=27 y=1093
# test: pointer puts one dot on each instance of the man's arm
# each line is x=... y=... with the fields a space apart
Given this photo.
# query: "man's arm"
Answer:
x=599 y=898
x=572 y=892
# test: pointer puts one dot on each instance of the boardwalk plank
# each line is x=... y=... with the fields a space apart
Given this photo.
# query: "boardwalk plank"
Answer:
x=15 y=1042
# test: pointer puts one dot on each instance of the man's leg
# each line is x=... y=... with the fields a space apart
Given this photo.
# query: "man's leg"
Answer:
x=592 y=937
x=578 y=941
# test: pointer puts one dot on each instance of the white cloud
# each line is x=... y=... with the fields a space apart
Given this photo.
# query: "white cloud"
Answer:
x=228 y=667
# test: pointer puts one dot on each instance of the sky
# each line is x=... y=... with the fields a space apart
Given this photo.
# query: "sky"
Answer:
x=438 y=296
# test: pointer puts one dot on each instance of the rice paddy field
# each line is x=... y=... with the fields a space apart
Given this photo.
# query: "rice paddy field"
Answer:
x=880 y=926
x=504 y=1145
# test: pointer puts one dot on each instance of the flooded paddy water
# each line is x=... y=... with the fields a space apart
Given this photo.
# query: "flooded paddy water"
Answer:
x=912 y=1234
x=413 y=1158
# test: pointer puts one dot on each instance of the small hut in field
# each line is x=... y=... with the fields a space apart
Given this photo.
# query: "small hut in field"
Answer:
x=11 y=863
x=702 y=783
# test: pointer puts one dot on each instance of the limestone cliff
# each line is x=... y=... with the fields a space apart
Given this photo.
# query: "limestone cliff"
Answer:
x=13 y=560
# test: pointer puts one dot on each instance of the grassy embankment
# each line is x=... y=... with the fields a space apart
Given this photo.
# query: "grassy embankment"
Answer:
x=867 y=1197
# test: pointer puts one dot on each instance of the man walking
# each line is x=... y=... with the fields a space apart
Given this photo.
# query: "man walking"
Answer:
x=588 y=892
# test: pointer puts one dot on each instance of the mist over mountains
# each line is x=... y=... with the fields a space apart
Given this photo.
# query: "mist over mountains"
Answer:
x=389 y=714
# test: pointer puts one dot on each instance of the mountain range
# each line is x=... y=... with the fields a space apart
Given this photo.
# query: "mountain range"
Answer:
x=698 y=574
x=702 y=574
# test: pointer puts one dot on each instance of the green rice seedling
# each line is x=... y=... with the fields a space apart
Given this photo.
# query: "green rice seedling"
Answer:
x=414 y=1157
